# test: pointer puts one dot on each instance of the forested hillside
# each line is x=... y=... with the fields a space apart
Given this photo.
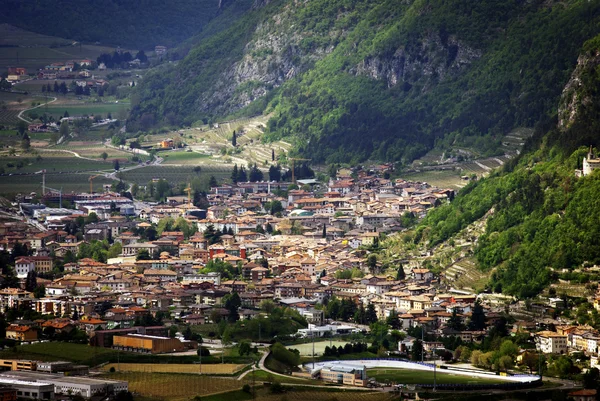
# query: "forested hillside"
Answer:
x=406 y=75
x=544 y=219
x=136 y=24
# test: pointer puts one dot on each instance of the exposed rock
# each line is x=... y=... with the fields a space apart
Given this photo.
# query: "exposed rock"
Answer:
x=428 y=61
x=574 y=98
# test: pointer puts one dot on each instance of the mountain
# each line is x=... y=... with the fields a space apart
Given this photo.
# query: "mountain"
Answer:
x=408 y=75
x=139 y=24
x=541 y=218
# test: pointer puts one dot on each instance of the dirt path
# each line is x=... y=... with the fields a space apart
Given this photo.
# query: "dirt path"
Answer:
x=20 y=115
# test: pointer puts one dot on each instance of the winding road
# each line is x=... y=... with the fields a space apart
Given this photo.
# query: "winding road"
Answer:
x=20 y=115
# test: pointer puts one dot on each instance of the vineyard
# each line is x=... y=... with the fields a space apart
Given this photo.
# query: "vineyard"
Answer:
x=175 y=387
x=173 y=174
x=210 y=369
x=69 y=182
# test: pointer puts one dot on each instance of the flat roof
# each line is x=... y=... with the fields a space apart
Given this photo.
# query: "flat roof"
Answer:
x=56 y=378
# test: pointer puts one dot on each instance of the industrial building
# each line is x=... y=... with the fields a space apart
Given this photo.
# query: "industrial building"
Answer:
x=342 y=373
x=29 y=389
x=60 y=384
x=148 y=344
x=17 y=364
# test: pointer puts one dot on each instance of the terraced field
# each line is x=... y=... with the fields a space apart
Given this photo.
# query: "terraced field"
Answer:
x=441 y=179
x=465 y=275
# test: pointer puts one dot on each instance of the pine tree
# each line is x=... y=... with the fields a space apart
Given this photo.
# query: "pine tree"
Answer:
x=370 y=315
x=234 y=174
x=272 y=155
x=234 y=139
x=400 y=274
x=324 y=235
x=455 y=321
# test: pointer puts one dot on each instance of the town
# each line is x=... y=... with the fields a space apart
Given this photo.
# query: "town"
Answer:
x=141 y=277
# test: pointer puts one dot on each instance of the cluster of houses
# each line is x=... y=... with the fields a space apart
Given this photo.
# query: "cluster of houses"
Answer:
x=295 y=259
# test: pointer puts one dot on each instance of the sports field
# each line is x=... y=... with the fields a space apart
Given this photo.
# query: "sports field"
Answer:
x=209 y=369
x=408 y=376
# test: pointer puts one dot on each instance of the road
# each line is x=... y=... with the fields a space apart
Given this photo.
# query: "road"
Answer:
x=20 y=115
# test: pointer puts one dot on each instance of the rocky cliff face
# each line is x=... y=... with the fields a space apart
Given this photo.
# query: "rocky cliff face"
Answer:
x=576 y=95
x=430 y=60
x=274 y=55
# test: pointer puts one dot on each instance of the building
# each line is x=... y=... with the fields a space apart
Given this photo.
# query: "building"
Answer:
x=590 y=163
x=550 y=342
x=23 y=267
x=18 y=364
x=8 y=393
x=60 y=384
x=342 y=373
x=21 y=333
x=583 y=395
x=25 y=389
x=148 y=344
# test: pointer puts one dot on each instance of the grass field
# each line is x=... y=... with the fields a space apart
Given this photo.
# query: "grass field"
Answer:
x=64 y=163
x=441 y=179
x=174 y=174
x=180 y=157
x=70 y=182
x=171 y=386
x=307 y=348
x=34 y=51
x=83 y=109
x=210 y=369
x=406 y=376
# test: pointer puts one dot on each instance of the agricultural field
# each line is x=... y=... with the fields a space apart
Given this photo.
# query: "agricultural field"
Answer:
x=12 y=103
x=408 y=376
x=57 y=110
x=52 y=163
x=174 y=174
x=69 y=182
x=208 y=369
x=465 y=275
x=183 y=158
x=175 y=387
x=307 y=348
x=441 y=179
x=33 y=51
x=57 y=351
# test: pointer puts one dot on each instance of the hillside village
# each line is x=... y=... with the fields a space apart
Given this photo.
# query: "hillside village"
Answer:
x=114 y=271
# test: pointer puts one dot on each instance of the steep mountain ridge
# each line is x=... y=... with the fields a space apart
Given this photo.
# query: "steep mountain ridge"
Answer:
x=543 y=219
x=407 y=75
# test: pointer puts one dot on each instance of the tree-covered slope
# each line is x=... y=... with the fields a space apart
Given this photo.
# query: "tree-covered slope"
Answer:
x=139 y=24
x=349 y=80
x=544 y=218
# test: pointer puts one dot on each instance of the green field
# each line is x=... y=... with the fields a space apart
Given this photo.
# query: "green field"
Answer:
x=11 y=185
x=407 y=376
x=174 y=174
x=35 y=51
x=83 y=109
x=440 y=179
x=182 y=157
x=53 y=165
x=307 y=348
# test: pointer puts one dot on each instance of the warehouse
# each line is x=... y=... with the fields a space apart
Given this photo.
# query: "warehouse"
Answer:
x=29 y=389
x=149 y=344
x=83 y=386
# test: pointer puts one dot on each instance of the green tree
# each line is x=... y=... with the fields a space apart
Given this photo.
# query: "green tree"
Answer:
x=234 y=139
x=455 y=322
x=104 y=156
x=116 y=165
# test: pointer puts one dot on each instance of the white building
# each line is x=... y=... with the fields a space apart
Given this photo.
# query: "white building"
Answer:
x=23 y=266
x=550 y=342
